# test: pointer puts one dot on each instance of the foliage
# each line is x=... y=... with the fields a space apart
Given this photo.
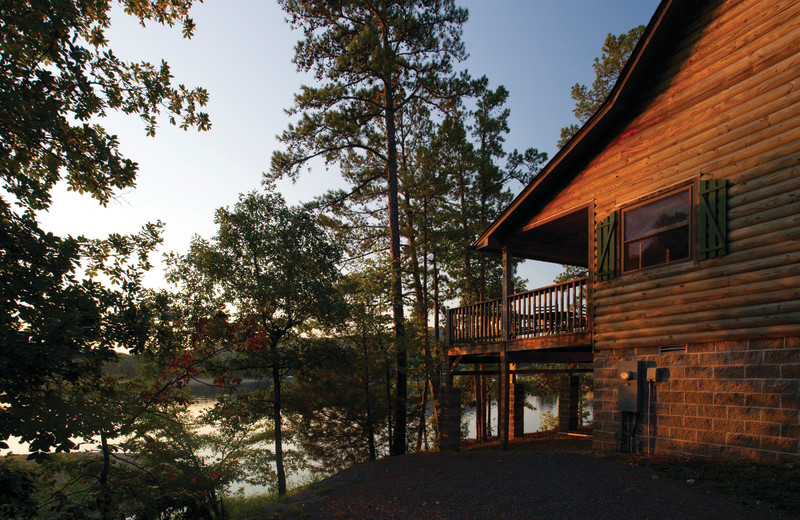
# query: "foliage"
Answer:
x=365 y=54
x=59 y=331
x=168 y=461
x=71 y=301
x=16 y=492
x=338 y=402
x=182 y=465
x=58 y=75
x=481 y=189
x=570 y=272
x=274 y=269
x=549 y=422
x=615 y=53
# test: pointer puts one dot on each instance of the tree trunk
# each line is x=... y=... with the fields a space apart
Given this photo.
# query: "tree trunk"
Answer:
x=370 y=427
x=389 y=414
x=421 y=295
x=401 y=375
x=105 y=493
x=276 y=406
x=480 y=408
x=421 y=430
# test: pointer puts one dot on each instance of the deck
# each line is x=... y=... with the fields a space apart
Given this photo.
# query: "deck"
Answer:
x=553 y=321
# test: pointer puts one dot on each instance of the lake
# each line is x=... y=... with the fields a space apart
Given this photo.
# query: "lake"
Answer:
x=533 y=415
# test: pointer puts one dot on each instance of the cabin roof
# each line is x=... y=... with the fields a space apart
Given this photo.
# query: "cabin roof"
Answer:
x=621 y=106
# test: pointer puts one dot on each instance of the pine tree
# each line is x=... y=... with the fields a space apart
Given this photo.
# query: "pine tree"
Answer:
x=615 y=53
x=372 y=58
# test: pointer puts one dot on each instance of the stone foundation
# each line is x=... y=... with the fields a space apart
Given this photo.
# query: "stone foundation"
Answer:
x=450 y=421
x=568 y=391
x=517 y=408
x=731 y=400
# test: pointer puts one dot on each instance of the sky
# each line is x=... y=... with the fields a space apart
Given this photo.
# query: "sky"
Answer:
x=242 y=54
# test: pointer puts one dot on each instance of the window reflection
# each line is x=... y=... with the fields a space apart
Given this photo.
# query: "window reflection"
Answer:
x=657 y=232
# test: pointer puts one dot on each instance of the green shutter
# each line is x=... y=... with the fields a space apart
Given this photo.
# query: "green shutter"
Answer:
x=713 y=222
x=606 y=237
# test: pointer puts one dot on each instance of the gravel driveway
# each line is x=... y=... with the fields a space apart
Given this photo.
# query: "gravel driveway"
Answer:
x=493 y=484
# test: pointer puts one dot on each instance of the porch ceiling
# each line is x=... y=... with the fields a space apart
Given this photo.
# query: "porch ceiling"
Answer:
x=564 y=240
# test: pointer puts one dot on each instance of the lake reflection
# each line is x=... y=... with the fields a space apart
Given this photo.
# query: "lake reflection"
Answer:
x=533 y=416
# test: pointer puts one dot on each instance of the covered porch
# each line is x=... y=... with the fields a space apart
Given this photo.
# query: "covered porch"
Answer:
x=509 y=336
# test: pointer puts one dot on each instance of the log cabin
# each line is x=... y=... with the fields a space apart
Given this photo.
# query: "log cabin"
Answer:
x=681 y=197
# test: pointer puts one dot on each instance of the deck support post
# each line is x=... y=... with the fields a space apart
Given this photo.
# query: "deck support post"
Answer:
x=480 y=406
x=503 y=399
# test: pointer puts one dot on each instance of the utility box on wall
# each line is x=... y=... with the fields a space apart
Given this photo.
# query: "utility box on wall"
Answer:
x=630 y=379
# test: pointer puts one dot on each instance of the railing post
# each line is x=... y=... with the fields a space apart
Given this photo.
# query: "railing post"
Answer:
x=450 y=327
x=556 y=309
x=508 y=291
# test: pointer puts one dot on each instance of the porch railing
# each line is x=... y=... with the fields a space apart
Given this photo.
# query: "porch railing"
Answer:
x=557 y=309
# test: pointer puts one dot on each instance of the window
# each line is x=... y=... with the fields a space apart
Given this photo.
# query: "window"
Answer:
x=657 y=232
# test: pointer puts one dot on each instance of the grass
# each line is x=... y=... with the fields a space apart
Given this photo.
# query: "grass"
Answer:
x=240 y=507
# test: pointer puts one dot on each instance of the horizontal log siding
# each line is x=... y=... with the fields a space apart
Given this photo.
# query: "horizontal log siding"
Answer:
x=727 y=105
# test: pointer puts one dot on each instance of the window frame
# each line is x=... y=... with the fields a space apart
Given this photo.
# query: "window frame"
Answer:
x=645 y=201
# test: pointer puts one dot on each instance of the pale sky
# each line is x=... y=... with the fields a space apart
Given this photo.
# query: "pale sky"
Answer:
x=241 y=53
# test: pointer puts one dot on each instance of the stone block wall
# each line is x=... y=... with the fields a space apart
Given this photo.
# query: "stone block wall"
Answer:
x=450 y=420
x=516 y=406
x=568 y=395
x=729 y=400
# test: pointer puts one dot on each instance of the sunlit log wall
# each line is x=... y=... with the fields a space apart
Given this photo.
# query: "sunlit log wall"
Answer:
x=725 y=105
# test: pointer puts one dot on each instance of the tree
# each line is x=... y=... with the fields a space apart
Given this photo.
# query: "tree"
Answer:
x=274 y=270
x=372 y=59
x=60 y=327
x=615 y=53
x=58 y=74
x=59 y=331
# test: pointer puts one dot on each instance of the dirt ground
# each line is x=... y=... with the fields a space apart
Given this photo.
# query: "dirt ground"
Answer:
x=545 y=476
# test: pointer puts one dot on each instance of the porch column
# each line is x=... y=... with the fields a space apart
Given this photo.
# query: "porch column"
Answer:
x=480 y=405
x=508 y=291
x=503 y=376
x=503 y=399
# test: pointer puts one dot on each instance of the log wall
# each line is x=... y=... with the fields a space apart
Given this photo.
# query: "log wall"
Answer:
x=725 y=106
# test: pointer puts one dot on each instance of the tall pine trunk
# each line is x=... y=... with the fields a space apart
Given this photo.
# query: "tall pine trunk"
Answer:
x=367 y=396
x=276 y=408
x=401 y=369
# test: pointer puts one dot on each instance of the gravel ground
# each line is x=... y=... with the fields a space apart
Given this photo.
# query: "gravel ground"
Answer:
x=493 y=484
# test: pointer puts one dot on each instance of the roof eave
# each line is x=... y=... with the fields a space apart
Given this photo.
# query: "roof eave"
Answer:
x=609 y=112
